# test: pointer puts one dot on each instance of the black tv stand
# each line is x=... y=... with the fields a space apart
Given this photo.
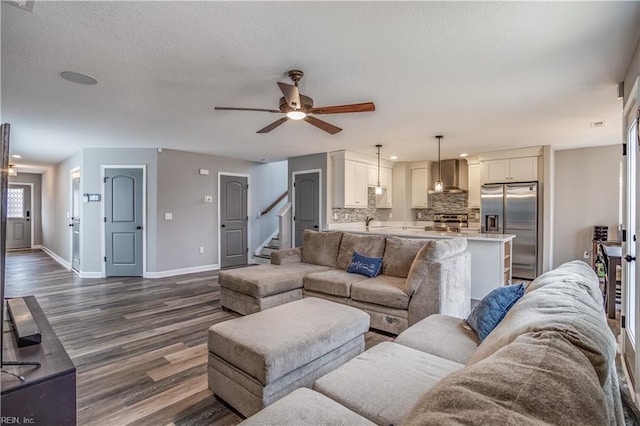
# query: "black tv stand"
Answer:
x=47 y=395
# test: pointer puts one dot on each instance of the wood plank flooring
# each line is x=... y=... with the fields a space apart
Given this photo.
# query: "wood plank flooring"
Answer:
x=139 y=345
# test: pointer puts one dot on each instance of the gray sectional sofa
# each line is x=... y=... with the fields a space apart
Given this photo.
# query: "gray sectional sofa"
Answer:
x=551 y=360
x=419 y=278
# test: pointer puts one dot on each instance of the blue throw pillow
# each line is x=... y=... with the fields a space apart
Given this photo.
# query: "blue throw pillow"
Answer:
x=363 y=265
x=487 y=314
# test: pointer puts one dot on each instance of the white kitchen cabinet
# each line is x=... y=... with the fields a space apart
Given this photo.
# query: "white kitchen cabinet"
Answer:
x=419 y=188
x=522 y=169
x=474 y=185
x=349 y=184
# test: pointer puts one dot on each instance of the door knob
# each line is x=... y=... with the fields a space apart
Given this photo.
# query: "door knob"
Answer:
x=138 y=227
x=223 y=226
x=629 y=258
x=71 y=224
x=315 y=226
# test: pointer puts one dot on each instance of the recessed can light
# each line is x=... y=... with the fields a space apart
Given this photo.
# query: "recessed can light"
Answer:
x=16 y=156
x=464 y=154
x=394 y=157
x=76 y=77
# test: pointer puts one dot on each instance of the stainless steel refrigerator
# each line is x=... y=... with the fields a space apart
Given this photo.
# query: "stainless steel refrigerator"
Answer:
x=512 y=208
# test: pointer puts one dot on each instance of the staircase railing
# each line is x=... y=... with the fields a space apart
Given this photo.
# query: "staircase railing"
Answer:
x=284 y=223
x=274 y=204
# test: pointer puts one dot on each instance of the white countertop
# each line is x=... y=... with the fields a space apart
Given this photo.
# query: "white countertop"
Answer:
x=414 y=230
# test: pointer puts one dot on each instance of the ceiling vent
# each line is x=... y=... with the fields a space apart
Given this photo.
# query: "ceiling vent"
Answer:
x=22 y=4
x=597 y=124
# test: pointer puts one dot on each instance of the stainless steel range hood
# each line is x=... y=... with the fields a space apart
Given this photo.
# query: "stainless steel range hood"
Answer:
x=450 y=175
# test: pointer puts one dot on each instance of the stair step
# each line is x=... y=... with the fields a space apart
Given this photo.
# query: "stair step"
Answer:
x=272 y=247
x=263 y=256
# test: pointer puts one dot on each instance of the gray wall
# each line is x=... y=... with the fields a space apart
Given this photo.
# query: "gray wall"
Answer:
x=633 y=71
x=36 y=208
x=181 y=191
x=586 y=193
x=55 y=206
x=311 y=162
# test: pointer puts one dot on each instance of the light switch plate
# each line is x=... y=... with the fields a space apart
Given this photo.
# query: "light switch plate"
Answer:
x=204 y=172
x=168 y=216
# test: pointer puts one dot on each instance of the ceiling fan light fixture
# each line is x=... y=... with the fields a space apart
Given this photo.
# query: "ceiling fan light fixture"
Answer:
x=296 y=115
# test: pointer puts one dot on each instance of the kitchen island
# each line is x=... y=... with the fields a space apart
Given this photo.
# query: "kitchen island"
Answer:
x=490 y=253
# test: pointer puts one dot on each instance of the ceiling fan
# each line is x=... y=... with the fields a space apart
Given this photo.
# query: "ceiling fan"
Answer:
x=297 y=106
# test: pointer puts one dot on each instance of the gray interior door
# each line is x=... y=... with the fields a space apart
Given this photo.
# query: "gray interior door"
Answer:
x=233 y=221
x=123 y=222
x=307 y=204
x=19 y=216
x=75 y=222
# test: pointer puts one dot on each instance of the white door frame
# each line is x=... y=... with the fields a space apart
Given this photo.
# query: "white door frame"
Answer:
x=250 y=258
x=103 y=241
x=30 y=211
x=71 y=173
x=293 y=200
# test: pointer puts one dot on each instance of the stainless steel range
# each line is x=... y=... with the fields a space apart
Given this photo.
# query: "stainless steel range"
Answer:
x=450 y=222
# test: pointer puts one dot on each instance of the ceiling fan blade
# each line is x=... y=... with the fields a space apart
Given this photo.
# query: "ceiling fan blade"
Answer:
x=291 y=94
x=273 y=125
x=342 y=109
x=323 y=125
x=246 y=109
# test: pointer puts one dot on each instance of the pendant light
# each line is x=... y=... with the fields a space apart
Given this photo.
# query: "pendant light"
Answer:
x=439 y=186
x=378 y=187
x=12 y=170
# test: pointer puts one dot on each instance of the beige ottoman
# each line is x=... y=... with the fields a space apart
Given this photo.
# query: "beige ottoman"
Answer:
x=256 y=288
x=258 y=359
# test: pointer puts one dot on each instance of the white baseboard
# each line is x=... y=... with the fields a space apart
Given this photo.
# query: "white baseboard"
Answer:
x=55 y=257
x=258 y=249
x=83 y=274
x=36 y=247
x=173 y=272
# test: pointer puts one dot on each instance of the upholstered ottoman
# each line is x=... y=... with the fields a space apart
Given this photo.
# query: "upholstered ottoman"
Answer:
x=257 y=359
x=256 y=288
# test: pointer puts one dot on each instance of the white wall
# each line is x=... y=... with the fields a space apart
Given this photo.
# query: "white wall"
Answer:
x=585 y=194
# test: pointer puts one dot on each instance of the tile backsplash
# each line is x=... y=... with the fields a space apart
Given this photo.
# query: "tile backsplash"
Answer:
x=447 y=203
x=359 y=215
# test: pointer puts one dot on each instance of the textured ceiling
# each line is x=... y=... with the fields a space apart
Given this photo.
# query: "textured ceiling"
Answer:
x=486 y=75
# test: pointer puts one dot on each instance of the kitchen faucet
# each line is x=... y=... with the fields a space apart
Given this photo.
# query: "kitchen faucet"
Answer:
x=367 y=220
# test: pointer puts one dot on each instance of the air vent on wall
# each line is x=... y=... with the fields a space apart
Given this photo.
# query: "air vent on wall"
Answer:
x=597 y=124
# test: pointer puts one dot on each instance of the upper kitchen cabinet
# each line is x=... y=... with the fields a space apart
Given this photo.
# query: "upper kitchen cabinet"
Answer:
x=523 y=169
x=474 y=184
x=420 y=188
x=353 y=173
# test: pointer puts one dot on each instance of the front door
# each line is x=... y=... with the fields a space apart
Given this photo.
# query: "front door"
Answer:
x=306 y=214
x=75 y=220
x=233 y=220
x=19 y=216
x=123 y=222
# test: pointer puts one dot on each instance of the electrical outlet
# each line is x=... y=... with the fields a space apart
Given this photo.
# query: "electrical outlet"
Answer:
x=201 y=249
x=585 y=254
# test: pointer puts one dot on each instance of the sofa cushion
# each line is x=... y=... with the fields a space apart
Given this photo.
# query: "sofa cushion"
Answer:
x=363 y=265
x=488 y=313
x=304 y=406
x=567 y=307
x=334 y=282
x=540 y=378
x=441 y=335
x=320 y=248
x=366 y=245
x=399 y=254
x=385 y=382
x=381 y=290
x=576 y=271
x=267 y=280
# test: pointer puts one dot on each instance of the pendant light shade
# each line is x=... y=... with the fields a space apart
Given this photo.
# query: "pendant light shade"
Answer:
x=12 y=170
x=439 y=186
x=378 y=187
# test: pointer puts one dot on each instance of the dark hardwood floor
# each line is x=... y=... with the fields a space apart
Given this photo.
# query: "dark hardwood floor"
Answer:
x=139 y=345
